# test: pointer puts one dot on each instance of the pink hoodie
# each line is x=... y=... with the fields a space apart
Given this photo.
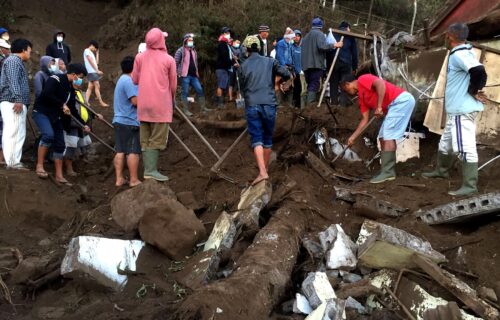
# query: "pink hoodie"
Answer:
x=155 y=73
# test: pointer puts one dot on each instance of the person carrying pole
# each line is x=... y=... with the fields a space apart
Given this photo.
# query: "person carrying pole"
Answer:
x=463 y=100
x=257 y=75
x=388 y=101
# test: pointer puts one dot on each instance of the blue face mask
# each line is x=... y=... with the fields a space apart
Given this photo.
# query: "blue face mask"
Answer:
x=78 y=81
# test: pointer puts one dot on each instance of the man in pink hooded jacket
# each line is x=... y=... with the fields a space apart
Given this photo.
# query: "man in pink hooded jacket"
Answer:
x=155 y=74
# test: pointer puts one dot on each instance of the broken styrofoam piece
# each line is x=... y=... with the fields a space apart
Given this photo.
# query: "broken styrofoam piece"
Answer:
x=352 y=303
x=101 y=259
x=223 y=233
x=409 y=146
x=301 y=305
x=317 y=288
x=337 y=148
x=342 y=254
x=381 y=246
x=333 y=309
x=462 y=209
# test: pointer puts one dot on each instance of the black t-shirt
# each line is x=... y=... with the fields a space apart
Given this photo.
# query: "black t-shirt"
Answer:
x=192 y=65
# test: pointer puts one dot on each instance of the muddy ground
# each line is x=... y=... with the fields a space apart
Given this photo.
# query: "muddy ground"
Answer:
x=39 y=218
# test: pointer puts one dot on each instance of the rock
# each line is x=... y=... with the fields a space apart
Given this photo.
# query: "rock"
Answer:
x=172 y=228
x=287 y=306
x=342 y=254
x=100 y=260
x=199 y=270
x=128 y=207
x=301 y=305
x=222 y=235
x=352 y=303
x=29 y=269
x=313 y=247
x=330 y=310
x=381 y=246
x=253 y=199
x=327 y=237
x=188 y=200
x=487 y=293
x=351 y=277
x=317 y=289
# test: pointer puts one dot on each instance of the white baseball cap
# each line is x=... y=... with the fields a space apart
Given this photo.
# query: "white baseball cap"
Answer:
x=4 y=44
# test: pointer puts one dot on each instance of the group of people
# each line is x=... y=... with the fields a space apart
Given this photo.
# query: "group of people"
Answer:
x=144 y=97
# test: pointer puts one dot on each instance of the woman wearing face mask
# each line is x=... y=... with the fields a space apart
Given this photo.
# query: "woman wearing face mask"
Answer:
x=223 y=65
x=49 y=108
x=48 y=67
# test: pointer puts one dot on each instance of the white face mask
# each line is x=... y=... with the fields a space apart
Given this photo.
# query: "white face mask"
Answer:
x=59 y=39
x=190 y=44
x=227 y=36
x=53 y=68
x=236 y=46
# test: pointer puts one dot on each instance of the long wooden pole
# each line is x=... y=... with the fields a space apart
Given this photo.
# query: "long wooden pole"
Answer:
x=185 y=147
x=216 y=166
x=92 y=134
x=329 y=74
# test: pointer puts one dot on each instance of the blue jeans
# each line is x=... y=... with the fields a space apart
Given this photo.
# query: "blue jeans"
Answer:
x=193 y=82
x=261 y=119
x=52 y=133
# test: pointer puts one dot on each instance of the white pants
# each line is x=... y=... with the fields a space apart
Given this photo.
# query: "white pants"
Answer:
x=14 y=133
x=459 y=137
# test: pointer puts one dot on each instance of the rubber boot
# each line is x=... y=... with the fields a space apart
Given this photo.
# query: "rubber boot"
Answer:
x=443 y=166
x=220 y=102
x=303 y=102
x=185 y=108
x=150 y=158
x=387 y=172
x=469 y=180
x=311 y=97
x=203 y=104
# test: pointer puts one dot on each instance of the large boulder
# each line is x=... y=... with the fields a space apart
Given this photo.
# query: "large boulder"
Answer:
x=128 y=207
x=171 y=227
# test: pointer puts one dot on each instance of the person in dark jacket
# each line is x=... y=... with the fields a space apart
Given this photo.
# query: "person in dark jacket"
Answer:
x=347 y=62
x=265 y=49
x=59 y=49
x=52 y=104
x=223 y=65
x=48 y=67
x=257 y=76
x=314 y=48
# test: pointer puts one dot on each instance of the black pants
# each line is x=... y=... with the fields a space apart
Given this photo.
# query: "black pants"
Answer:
x=339 y=71
x=297 y=90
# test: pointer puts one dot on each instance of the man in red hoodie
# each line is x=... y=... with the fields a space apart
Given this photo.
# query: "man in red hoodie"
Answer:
x=155 y=74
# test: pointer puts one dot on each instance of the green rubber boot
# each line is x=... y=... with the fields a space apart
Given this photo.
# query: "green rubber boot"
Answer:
x=185 y=109
x=443 y=166
x=203 y=104
x=311 y=97
x=150 y=158
x=469 y=180
x=387 y=172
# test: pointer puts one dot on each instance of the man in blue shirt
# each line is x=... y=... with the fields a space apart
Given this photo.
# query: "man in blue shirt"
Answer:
x=127 y=140
x=299 y=82
x=463 y=100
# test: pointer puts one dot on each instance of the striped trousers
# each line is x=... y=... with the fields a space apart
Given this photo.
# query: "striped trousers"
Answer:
x=459 y=137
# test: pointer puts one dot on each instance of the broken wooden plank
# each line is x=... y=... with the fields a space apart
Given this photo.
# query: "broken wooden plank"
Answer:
x=324 y=170
x=458 y=288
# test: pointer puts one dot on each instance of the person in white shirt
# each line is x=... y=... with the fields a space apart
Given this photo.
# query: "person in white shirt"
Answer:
x=91 y=58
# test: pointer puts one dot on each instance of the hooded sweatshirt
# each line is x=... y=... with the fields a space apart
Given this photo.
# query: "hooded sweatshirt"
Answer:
x=42 y=75
x=155 y=74
x=59 y=50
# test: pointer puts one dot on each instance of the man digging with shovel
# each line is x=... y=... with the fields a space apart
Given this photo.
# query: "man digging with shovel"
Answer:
x=389 y=102
x=256 y=76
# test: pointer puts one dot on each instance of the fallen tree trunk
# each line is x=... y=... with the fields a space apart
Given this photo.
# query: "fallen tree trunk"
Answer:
x=261 y=276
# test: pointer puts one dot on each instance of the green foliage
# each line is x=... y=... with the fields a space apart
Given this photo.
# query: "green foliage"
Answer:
x=6 y=16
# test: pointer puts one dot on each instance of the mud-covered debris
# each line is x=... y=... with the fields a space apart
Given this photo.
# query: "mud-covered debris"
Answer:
x=382 y=246
x=313 y=247
x=101 y=260
x=462 y=210
x=317 y=289
x=376 y=208
x=487 y=293
x=352 y=303
x=350 y=277
x=223 y=233
x=199 y=269
x=301 y=305
x=253 y=199
x=188 y=200
x=333 y=309
x=341 y=250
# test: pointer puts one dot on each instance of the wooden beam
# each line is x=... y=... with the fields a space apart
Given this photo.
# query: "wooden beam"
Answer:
x=370 y=38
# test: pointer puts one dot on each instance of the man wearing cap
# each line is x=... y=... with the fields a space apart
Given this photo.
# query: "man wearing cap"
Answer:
x=223 y=65
x=59 y=49
x=263 y=36
x=314 y=47
x=347 y=62
x=186 y=59
x=4 y=34
x=4 y=53
x=257 y=75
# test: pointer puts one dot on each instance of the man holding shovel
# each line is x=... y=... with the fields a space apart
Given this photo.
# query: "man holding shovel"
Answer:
x=388 y=101
x=257 y=75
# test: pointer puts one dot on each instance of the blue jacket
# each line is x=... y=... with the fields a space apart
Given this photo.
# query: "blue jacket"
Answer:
x=296 y=58
x=349 y=51
x=284 y=53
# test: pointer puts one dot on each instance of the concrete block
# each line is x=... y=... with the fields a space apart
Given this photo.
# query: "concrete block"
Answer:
x=342 y=253
x=375 y=208
x=330 y=310
x=317 y=289
x=253 y=199
x=199 y=270
x=100 y=259
x=381 y=246
x=462 y=210
x=223 y=233
x=301 y=305
x=351 y=277
x=352 y=303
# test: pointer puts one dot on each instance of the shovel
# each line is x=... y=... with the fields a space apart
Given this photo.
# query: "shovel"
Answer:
x=360 y=133
x=240 y=102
